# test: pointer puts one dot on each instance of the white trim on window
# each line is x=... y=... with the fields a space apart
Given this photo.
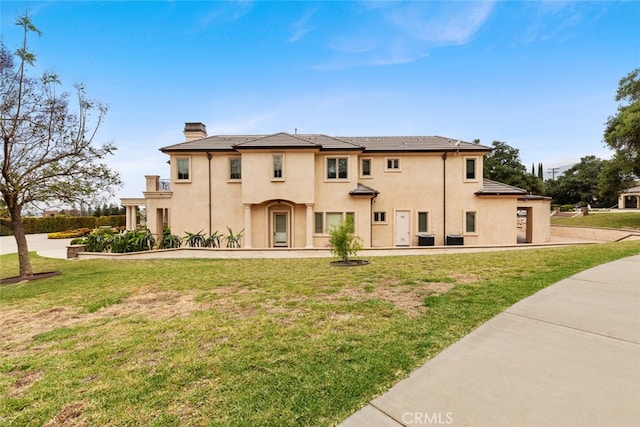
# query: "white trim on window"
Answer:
x=235 y=168
x=470 y=169
x=368 y=168
x=336 y=168
x=471 y=222
x=183 y=169
x=277 y=172
x=392 y=164
x=380 y=217
x=423 y=221
x=325 y=220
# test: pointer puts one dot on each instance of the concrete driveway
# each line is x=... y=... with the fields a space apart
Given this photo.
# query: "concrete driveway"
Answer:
x=50 y=248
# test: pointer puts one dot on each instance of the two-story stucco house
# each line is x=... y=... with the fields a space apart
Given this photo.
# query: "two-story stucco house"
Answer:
x=288 y=190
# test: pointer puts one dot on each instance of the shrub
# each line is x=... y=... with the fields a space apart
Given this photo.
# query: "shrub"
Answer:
x=69 y=234
x=343 y=241
x=233 y=240
x=194 y=240
x=168 y=240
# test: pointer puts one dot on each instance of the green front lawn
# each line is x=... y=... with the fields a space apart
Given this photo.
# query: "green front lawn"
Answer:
x=246 y=342
x=629 y=220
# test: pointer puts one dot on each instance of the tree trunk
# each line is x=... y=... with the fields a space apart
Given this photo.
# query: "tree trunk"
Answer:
x=21 y=241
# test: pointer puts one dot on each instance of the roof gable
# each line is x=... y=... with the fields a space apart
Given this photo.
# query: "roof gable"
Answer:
x=277 y=140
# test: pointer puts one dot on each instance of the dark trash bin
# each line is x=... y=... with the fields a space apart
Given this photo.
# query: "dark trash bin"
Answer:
x=455 y=240
x=426 y=239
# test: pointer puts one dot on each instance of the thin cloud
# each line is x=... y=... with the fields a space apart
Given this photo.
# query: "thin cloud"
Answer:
x=302 y=27
x=404 y=32
x=442 y=23
x=553 y=20
x=225 y=12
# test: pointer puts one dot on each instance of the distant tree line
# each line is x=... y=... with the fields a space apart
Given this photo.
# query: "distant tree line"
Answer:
x=592 y=181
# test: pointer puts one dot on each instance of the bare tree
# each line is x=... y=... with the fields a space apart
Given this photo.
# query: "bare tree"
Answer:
x=48 y=154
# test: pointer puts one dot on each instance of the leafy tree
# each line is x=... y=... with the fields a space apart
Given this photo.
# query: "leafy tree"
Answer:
x=48 y=154
x=343 y=242
x=503 y=165
x=579 y=184
x=612 y=180
x=540 y=172
x=622 y=133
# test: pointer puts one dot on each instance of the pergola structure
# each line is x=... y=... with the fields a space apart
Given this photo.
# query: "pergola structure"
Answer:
x=131 y=206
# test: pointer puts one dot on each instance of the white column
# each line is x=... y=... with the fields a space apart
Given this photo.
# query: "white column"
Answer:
x=310 y=225
x=129 y=220
x=247 y=225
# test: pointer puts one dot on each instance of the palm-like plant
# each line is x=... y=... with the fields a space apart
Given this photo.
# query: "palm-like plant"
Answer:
x=195 y=240
x=168 y=240
x=233 y=240
x=213 y=241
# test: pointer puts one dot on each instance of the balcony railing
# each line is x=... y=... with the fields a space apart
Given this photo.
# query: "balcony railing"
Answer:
x=164 y=185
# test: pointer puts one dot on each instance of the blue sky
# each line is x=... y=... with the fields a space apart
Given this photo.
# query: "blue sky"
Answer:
x=540 y=76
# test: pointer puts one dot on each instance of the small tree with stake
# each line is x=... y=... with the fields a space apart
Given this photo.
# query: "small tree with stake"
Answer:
x=343 y=241
x=48 y=155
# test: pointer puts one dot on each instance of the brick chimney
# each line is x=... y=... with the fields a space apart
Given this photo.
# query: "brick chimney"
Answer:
x=193 y=131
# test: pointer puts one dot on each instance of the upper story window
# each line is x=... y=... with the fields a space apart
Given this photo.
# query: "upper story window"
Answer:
x=278 y=166
x=235 y=168
x=337 y=167
x=365 y=167
x=393 y=164
x=183 y=166
x=470 y=168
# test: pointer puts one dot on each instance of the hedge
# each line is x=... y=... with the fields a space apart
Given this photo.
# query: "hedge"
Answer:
x=37 y=225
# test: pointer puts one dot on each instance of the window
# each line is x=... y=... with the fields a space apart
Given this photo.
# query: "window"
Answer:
x=423 y=222
x=470 y=168
x=278 y=166
x=183 y=168
x=380 y=216
x=235 y=168
x=470 y=222
x=333 y=220
x=393 y=164
x=325 y=221
x=337 y=167
x=365 y=167
x=318 y=223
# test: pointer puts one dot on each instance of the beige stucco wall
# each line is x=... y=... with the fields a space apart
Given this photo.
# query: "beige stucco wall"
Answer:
x=419 y=185
x=538 y=219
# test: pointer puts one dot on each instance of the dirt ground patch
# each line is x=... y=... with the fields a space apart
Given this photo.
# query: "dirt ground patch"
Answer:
x=69 y=415
x=25 y=379
x=409 y=299
x=20 y=327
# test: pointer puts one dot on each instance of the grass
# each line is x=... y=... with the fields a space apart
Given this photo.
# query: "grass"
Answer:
x=246 y=342
x=630 y=220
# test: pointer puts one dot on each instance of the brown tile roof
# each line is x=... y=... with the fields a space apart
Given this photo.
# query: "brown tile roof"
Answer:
x=413 y=144
x=369 y=144
x=363 y=190
x=495 y=188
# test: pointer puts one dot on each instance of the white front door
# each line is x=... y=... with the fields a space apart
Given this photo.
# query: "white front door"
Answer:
x=403 y=237
x=280 y=229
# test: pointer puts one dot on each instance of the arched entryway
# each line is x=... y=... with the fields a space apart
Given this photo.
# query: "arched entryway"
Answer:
x=280 y=218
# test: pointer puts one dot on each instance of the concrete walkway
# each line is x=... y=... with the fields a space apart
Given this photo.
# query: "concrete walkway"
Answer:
x=43 y=246
x=567 y=356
